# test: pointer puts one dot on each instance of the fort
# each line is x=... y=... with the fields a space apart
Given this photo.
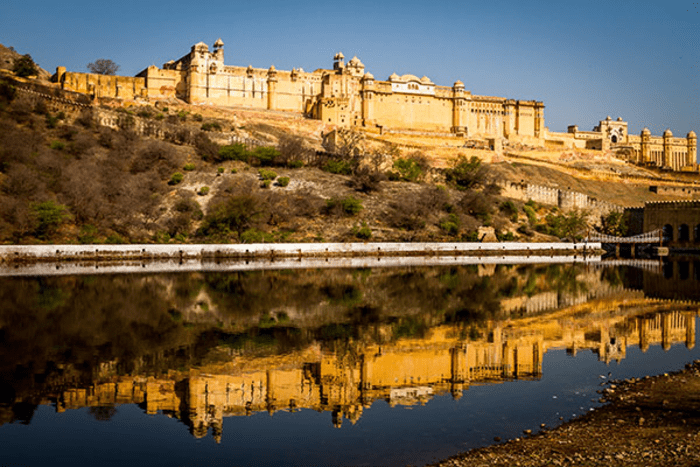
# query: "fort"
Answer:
x=348 y=96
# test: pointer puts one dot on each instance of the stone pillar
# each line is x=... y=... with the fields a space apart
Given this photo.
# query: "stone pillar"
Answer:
x=646 y=136
x=458 y=105
x=692 y=149
x=271 y=88
x=367 y=98
x=668 y=149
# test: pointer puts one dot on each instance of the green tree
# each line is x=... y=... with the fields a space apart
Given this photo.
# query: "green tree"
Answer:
x=465 y=174
x=615 y=223
x=24 y=66
x=48 y=216
x=235 y=214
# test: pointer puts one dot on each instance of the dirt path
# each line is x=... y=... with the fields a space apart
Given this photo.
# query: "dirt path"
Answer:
x=649 y=422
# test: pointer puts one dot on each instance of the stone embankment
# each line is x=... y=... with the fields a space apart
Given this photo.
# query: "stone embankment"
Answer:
x=40 y=253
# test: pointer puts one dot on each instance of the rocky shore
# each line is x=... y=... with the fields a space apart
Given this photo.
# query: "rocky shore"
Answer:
x=654 y=421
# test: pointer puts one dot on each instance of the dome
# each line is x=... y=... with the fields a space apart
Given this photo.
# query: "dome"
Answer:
x=219 y=43
x=272 y=68
x=426 y=80
x=608 y=118
x=200 y=45
x=394 y=77
x=459 y=84
x=619 y=119
x=338 y=56
x=667 y=133
x=692 y=134
x=646 y=131
x=355 y=62
x=368 y=76
x=406 y=78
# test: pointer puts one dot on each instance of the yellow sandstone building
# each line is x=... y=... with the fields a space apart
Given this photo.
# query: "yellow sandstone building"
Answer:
x=347 y=95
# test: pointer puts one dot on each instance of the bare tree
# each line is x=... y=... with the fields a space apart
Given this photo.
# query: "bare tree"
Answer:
x=103 y=66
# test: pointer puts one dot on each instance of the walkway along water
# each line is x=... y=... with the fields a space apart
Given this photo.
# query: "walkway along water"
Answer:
x=32 y=253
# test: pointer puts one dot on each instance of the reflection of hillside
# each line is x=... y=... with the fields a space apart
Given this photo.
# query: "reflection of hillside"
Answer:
x=403 y=372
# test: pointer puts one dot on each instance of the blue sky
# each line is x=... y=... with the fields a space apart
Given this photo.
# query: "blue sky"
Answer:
x=585 y=60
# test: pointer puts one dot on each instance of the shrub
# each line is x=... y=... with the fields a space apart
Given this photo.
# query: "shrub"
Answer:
x=58 y=145
x=48 y=216
x=197 y=117
x=266 y=174
x=176 y=178
x=159 y=116
x=234 y=171
x=24 y=66
x=220 y=170
x=509 y=209
x=203 y=191
x=88 y=234
x=266 y=156
x=338 y=167
x=189 y=167
x=408 y=170
x=295 y=164
x=530 y=213
x=211 y=126
x=236 y=213
x=234 y=152
x=256 y=236
x=283 y=181
x=347 y=205
x=363 y=232
x=182 y=115
x=266 y=184
x=466 y=173
x=450 y=225
x=505 y=237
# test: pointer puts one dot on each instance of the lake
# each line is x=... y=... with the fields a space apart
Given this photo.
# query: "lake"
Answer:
x=268 y=364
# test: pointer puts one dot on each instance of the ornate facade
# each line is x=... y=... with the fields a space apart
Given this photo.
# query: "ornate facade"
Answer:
x=345 y=95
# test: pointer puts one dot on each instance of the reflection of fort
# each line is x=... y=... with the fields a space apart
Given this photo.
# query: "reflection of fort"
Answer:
x=402 y=372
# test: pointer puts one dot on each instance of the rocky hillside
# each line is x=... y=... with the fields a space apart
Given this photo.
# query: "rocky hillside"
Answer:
x=129 y=172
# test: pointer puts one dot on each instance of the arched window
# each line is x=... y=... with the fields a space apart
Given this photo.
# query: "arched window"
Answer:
x=668 y=233
x=683 y=233
x=696 y=234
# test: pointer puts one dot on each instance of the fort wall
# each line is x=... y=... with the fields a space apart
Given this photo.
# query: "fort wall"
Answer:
x=564 y=199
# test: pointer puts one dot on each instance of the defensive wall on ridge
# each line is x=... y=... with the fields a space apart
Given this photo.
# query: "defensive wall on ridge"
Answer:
x=564 y=199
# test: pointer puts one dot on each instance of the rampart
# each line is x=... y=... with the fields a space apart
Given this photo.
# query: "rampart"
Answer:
x=563 y=199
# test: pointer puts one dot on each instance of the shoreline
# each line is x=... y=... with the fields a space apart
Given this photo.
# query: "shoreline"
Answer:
x=13 y=254
x=651 y=421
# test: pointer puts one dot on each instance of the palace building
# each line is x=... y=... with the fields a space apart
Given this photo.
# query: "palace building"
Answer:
x=347 y=95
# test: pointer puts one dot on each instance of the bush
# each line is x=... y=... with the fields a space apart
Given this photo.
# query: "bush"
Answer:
x=450 y=225
x=266 y=174
x=256 y=236
x=348 y=205
x=203 y=191
x=266 y=156
x=176 y=178
x=236 y=213
x=505 y=237
x=189 y=167
x=363 y=232
x=283 y=181
x=408 y=170
x=530 y=213
x=197 y=117
x=24 y=66
x=234 y=152
x=48 y=216
x=211 y=126
x=509 y=209
x=466 y=173
x=58 y=145
x=220 y=170
x=338 y=167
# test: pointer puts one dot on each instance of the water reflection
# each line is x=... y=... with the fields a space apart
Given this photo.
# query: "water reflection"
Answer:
x=201 y=347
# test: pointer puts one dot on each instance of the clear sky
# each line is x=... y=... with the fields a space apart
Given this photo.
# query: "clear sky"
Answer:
x=635 y=59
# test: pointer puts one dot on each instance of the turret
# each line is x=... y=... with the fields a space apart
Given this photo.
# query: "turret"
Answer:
x=339 y=61
x=692 y=148
x=646 y=138
x=668 y=148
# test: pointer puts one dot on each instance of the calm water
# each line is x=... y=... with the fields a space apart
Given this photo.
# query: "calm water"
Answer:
x=389 y=366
